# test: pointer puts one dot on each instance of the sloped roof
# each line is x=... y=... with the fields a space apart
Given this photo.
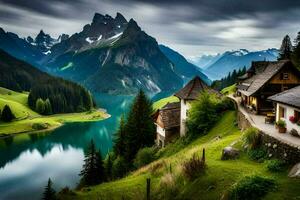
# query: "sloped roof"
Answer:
x=192 y=89
x=263 y=73
x=289 y=97
x=170 y=115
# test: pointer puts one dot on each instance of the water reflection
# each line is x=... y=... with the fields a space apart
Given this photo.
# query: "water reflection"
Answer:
x=28 y=160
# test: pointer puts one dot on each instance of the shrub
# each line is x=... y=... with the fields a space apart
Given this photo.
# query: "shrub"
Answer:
x=7 y=114
x=225 y=104
x=170 y=186
x=259 y=154
x=119 y=168
x=39 y=126
x=193 y=167
x=203 y=114
x=251 y=188
x=275 y=165
x=252 y=138
x=281 y=123
x=144 y=156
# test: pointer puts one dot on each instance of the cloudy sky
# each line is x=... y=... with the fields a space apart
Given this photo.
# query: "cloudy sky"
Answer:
x=192 y=27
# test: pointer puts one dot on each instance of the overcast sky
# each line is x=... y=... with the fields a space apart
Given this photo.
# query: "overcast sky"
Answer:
x=192 y=27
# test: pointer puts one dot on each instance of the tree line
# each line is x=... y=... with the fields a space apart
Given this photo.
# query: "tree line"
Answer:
x=229 y=80
x=47 y=94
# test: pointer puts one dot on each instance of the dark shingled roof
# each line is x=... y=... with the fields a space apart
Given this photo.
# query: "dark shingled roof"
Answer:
x=263 y=71
x=170 y=114
x=289 y=97
x=191 y=90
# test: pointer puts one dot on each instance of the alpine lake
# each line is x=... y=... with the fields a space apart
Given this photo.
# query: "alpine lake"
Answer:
x=27 y=161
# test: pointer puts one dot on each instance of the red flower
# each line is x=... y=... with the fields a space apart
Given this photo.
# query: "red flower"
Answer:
x=292 y=119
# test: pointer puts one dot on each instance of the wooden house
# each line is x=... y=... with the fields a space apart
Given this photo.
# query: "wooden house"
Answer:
x=167 y=121
x=264 y=79
x=288 y=107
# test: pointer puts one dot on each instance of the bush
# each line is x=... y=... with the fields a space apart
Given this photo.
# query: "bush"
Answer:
x=281 y=123
x=119 y=168
x=259 y=154
x=144 y=156
x=251 y=188
x=225 y=104
x=203 y=114
x=252 y=138
x=40 y=106
x=294 y=133
x=275 y=165
x=39 y=126
x=193 y=167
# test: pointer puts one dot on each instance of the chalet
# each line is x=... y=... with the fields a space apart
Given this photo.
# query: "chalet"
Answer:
x=167 y=121
x=264 y=79
x=186 y=95
x=288 y=107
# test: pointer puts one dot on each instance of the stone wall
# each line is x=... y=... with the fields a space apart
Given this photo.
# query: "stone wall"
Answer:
x=275 y=148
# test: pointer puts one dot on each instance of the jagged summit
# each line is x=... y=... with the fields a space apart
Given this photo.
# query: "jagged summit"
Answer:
x=120 y=18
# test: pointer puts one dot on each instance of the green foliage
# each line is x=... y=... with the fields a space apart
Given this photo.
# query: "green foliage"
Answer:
x=251 y=188
x=229 y=80
x=48 y=107
x=286 y=48
x=275 y=165
x=49 y=193
x=120 y=138
x=258 y=154
x=120 y=167
x=108 y=165
x=7 y=114
x=40 y=106
x=281 y=123
x=39 y=126
x=144 y=156
x=138 y=131
x=93 y=170
x=203 y=114
x=252 y=138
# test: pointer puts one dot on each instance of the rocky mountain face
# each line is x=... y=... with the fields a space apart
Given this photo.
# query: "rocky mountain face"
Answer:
x=115 y=56
x=20 y=48
x=204 y=61
x=182 y=67
x=231 y=60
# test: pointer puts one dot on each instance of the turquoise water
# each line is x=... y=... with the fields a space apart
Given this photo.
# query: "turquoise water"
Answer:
x=28 y=160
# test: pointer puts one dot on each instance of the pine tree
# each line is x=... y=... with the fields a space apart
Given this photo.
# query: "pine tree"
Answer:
x=48 y=107
x=108 y=166
x=7 y=114
x=140 y=130
x=296 y=52
x=285 y=49
x=120 y=138
x=40 y=106
x=49 y=193
x=93 y=170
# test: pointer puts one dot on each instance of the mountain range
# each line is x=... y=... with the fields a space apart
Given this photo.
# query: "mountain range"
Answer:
x=110 y=55
x=218 y=66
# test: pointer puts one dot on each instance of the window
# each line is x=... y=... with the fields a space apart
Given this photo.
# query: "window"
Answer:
x=285 y=76
x=281 y=112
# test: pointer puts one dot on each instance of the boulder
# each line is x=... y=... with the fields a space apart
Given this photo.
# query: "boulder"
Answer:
x=295 y=171
x=230 y=153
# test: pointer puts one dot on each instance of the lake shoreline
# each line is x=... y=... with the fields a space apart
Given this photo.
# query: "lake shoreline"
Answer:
x=103 y=112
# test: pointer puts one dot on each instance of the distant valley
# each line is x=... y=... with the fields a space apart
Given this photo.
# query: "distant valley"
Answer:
x=218 y=66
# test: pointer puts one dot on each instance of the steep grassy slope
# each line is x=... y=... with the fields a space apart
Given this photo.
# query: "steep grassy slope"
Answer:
x=229 y=90
x=26 y=118
x=218 y=178
x=162 y=102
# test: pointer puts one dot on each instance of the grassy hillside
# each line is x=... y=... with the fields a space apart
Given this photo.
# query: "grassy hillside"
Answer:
x=218 y=178
x=27 y=120
x=229 y=90
x=162 y=102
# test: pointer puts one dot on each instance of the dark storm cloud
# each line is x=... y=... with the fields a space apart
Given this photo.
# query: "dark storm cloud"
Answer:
x=190 y=26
